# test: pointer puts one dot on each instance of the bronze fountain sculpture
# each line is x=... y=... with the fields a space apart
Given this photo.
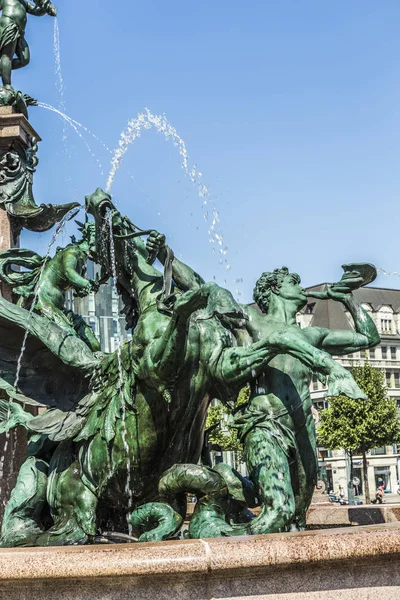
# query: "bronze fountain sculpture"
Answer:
x=116 y=446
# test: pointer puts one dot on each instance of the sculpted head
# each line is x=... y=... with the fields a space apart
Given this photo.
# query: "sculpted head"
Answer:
x=98 y=203
x=88 y=233
x=279 y=283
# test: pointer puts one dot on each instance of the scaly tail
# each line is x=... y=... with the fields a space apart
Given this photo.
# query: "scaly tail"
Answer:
x=23 y=283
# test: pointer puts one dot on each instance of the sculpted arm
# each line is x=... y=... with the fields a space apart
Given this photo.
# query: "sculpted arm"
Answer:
x=239 y=365
x=183 y=275
x=70 y=268
x=42 y=8
x=341 y=341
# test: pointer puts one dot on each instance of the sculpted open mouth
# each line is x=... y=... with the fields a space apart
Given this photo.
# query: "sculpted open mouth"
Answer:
x=99 y=203
x=104 y=206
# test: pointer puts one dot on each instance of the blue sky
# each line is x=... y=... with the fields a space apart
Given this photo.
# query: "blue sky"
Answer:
x=290 y=110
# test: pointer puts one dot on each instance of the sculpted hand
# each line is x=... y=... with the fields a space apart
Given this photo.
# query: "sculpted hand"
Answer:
x=84 y=290
x=338 y=293
x=51 y=10
x=94 y=285
x=155 y=243
x=354 y=277
x=342 y=383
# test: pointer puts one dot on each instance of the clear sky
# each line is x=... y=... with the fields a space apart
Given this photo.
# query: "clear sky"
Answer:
x=290 y=110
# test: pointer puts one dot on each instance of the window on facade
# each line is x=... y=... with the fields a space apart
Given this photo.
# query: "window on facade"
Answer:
x=382 y=477
x=384 y=352
x=397 y=379
x=321 y=405
x=393 y=352
x=396 y=376
x=386 y=325
x=115 y=327
x=378 y=451
x=314 y=383
x=310 y=308
x=388 y=379
x=371 y=353
x=362 y=354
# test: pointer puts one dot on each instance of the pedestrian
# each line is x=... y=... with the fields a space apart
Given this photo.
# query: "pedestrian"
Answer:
x=379 y=495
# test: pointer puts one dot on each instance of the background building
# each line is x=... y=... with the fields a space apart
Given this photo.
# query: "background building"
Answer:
x=383 y=305
x=101 y=311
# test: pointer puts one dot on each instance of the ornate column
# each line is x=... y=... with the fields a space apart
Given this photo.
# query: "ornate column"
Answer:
x=17 y=137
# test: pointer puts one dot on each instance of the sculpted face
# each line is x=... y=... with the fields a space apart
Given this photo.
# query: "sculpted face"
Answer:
x=292 y=290
x=91 y=238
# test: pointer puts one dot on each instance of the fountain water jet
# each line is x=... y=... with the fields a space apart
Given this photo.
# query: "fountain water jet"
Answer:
x=58 y=72
x=146 y=120
x=128 y=491
x=75 y=126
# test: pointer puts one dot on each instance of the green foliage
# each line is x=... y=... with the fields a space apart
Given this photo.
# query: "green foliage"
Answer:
x=358 y=424
x=217 y=425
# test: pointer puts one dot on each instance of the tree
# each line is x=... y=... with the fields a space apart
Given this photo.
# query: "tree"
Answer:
x=218 y=430
x=361 y=425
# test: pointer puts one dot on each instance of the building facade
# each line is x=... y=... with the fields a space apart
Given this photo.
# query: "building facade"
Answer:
x=102 y=311
x=383 y=305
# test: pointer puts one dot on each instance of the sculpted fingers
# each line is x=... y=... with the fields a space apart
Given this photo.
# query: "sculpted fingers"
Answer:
x=155 y=242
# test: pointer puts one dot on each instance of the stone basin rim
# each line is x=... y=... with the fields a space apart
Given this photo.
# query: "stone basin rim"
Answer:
x=196 y=557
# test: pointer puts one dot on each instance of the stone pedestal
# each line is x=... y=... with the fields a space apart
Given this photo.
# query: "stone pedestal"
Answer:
x=14 y=128
x=359 y=563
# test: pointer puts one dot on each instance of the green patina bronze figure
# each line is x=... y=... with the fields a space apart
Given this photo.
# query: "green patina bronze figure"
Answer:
x=17 y=167
x=277 y=426
x=117 y=445
x=14 y=49
x=124 y=453
x=46 y=280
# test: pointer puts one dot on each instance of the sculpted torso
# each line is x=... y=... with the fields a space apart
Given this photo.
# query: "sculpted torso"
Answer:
x=283 y=387
x=14 y=11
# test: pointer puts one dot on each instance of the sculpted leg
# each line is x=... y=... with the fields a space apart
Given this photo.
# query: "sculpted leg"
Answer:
x=72 y=504
x=73 y=509
x=269 y=469
x=23 y=54
x=6 y=62
x=22 y=521
x=84 y=331
x=306 y=470
x=54 y=314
